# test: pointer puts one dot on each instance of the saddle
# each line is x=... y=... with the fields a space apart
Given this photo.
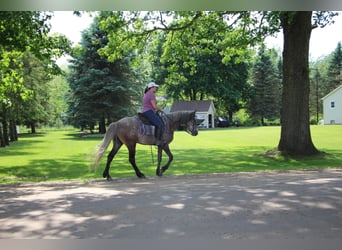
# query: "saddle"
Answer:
x=145 y=126
x=144 y=119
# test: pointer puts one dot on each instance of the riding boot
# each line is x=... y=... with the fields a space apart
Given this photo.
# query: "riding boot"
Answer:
x=159 y=134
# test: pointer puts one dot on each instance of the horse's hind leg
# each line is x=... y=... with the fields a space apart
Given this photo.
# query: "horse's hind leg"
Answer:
x=116 y=147
x=131 y=150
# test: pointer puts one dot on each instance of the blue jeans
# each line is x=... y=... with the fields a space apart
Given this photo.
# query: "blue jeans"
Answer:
x=153 y=118
x=156 y=121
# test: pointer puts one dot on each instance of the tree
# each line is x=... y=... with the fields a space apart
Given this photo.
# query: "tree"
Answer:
x=24 y=31
x=11 y=88
x=28 y=30
x=265 y=100
x=295 y=135
x=34 y=109
x=58 y=107
x=101 y=91
x=315 y=95
x=335 y=69
x=196 y=68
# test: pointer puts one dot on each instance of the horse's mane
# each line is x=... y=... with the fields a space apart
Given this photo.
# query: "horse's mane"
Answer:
x=181 y=117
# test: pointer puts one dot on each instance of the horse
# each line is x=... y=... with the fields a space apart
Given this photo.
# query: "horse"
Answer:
x=126 y=131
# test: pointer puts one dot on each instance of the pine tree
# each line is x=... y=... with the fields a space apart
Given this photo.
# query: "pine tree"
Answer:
x=265 y=102
x=101 y=91
x=36 y=108
x=335 y=69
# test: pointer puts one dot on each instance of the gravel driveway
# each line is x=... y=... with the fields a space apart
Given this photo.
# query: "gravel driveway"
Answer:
x=267 y=205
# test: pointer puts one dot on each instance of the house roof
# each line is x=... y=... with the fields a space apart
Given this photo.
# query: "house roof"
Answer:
x=199 y=106
x=332 y=92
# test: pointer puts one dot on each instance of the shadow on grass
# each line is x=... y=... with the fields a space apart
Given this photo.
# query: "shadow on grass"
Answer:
x=78 y=136
x=245 y=159
x=23 y=145
x=47 y=170
x=63 y=168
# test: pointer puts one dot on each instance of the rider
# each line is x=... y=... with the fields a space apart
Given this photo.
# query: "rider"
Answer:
x=150 y=108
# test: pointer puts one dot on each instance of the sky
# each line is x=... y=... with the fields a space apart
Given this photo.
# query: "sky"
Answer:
x=323 y=40
x=64 y=22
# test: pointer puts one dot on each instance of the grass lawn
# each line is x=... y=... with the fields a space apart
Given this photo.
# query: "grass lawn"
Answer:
x=63 y=155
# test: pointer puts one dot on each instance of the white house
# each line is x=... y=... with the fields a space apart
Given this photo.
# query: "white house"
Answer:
x=205 y=111
x=332 y=107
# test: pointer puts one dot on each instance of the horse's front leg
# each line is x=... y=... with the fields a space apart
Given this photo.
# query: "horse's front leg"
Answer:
x=131 y=150
x=169 y=154
x=159 y=172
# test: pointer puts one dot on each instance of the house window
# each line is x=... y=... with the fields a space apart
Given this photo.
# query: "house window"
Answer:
x=332 y=104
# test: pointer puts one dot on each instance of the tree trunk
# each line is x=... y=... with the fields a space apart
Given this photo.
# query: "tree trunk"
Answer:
x=5 y=125
x=2 y=140
x=230 y=117
x=33 y=127
x=13 y=131
x=295 y=136
x=102 y=126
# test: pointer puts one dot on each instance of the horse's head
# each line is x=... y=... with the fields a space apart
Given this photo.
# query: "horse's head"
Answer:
x=191 y=125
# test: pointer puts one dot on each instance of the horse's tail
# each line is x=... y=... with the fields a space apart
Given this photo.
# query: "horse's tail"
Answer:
x=101 y=149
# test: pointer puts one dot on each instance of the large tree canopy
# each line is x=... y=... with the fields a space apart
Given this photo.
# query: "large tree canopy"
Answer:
x=23 y=31
x=190 y=65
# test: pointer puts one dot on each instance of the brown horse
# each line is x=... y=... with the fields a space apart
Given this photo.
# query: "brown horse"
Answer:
x=126 y=131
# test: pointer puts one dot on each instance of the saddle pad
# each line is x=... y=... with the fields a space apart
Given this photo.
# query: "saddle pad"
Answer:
x=145 y=129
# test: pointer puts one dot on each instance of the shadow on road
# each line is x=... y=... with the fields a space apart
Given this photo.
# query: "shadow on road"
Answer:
x=290 y=205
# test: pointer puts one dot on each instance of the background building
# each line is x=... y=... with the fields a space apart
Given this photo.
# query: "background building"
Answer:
x=332 y=107
x=205 y=111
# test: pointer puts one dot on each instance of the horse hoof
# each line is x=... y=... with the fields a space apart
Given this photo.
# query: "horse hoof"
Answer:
x=141 y=175
x=159 y=173
x=109 y=178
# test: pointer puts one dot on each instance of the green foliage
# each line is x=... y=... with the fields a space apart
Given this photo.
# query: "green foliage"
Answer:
x=59 y=89
x=316 y=94
x=23 y=33
x=23 y=30
x=121 y=28
x=190 y=63
x=194 y=54
x=28 y=31
x=100 y=90
x=36 y=108
x=335 y=69
x=11 y=82
x=266 y=93
x=323 y=18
